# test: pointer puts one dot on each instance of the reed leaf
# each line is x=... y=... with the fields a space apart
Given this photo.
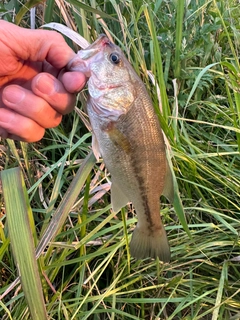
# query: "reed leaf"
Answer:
x=178 y=45
x=19 y=218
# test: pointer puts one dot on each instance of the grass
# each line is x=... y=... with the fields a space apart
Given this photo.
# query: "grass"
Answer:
x=82 y=246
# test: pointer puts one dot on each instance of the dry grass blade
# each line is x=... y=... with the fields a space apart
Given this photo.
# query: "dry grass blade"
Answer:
x=66 y=204
x=74 y=36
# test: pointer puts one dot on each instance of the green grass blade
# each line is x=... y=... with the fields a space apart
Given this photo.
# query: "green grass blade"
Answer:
x=219 y=297
x=159 y=64
x=83 y=6
x=13 y=148
x=18 y=212
x=196 y=83
x=177 y=203
x=6 y=310
x=49 y=10
x=24 y=9
x=229 y=40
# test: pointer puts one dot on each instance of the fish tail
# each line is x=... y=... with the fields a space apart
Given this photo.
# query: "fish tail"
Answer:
x=150 y=245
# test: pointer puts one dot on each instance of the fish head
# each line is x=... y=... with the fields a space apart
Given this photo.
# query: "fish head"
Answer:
x=112 y=80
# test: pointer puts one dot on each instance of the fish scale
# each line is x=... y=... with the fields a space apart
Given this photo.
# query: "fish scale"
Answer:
x=127 y=134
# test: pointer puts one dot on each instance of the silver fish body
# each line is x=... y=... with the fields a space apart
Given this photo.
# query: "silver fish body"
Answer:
x=127 y=134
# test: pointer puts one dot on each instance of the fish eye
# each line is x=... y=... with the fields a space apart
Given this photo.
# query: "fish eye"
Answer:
x=114 y=58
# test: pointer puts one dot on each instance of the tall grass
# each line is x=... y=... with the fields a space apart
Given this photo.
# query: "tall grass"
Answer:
x=192 y=48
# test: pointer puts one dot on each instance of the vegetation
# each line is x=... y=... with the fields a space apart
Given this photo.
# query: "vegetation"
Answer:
x=86 y=272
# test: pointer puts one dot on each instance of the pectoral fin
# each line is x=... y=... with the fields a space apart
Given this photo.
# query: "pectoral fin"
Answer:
x=95 y=147
x=118 y=198
x=119 y=139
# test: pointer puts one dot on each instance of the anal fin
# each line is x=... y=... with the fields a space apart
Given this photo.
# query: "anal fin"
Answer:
x=118 y=198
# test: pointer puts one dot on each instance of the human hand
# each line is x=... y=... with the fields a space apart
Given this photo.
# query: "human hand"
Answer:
x=34 y=90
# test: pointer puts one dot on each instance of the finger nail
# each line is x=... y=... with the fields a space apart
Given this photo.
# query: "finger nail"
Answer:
x=46 y=84
x=13 y=94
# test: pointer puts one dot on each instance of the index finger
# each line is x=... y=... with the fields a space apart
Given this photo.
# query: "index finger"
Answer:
x=36 y=45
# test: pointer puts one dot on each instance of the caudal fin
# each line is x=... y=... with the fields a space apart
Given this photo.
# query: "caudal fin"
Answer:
x=154 y=245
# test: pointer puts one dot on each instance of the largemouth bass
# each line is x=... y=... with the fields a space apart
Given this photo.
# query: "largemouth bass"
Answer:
x=127 y=134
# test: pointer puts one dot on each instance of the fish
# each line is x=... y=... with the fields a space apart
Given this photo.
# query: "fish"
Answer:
x=128 y=136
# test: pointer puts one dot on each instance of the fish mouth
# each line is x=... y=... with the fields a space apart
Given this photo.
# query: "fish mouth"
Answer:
x=80 y=60
x=101 y=42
